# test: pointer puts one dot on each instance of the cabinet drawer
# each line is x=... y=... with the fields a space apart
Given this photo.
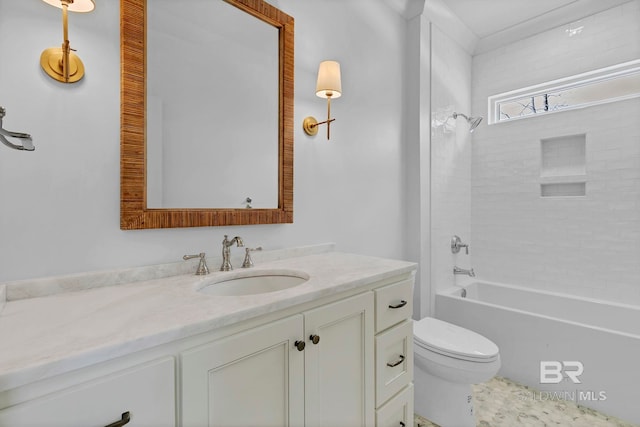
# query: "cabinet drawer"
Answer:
x=393 y=304
x=394 y=361
x=147 y=392
x=398 y=411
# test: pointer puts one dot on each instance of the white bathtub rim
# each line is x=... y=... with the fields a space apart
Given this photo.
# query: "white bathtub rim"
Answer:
x=541 y=291
x=450 y=292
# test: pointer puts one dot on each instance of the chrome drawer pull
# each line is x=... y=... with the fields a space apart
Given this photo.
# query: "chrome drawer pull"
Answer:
x=393 y=365
x=126 y=417
x=402 y=304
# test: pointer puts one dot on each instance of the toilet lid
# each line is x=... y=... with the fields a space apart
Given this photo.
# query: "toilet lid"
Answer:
x=448 y=339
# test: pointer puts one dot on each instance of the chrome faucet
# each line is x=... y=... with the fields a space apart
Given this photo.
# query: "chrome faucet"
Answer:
x=458 y=270
x=226 y=251
x=202 y=267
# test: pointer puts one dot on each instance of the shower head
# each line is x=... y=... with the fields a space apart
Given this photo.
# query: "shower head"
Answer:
x=473 y=121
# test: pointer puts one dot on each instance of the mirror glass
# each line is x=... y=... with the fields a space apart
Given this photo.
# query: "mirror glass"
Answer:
x=212 y=106
x=206 y=113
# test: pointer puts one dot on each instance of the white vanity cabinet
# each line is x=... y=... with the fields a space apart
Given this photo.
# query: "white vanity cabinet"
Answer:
x=334 y=352
x=144 y=395
x=264 y=376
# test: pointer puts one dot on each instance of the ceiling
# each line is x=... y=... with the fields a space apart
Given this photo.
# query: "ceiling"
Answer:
x=497 y=22
x=488 y=17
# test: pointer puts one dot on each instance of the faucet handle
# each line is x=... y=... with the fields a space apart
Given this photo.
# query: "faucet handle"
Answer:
x=456 y=245
x=248 y=262
x=202 y=266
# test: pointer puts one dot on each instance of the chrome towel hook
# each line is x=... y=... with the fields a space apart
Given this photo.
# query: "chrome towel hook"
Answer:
x=27 y=142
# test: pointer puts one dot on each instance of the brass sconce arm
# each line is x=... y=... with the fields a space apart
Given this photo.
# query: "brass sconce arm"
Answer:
x=310 y=125
x=326 y=121
x=66 y=45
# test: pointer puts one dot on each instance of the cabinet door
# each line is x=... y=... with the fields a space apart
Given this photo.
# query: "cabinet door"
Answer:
x=146 y=392
x=339 y=370
x=254 y=378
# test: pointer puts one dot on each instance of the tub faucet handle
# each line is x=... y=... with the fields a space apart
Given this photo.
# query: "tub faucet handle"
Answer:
x=456 y=245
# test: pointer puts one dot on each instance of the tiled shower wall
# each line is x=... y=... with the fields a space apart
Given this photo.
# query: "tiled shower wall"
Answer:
x=450 y=156
x=584 y=245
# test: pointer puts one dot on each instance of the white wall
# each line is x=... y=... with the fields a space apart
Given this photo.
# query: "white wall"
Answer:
x=418 y=157
x=586 y=246
x=59 y=206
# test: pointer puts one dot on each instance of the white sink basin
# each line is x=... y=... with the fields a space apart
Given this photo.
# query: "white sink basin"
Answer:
x=254 y=283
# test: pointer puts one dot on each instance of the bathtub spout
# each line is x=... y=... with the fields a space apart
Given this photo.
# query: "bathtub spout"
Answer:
x=458 y=270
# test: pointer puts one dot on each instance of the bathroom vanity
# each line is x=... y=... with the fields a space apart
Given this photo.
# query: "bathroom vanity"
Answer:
x=335 y=349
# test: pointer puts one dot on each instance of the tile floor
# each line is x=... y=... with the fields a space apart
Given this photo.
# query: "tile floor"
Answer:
x=503 y=403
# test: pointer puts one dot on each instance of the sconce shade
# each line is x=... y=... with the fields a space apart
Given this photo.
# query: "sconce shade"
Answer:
x=81 y=6
x=329 y=84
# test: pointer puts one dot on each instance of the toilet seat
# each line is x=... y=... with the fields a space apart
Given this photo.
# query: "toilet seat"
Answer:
x=453 y=341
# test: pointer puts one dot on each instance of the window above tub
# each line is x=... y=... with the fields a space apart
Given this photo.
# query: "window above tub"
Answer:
x=615 y=83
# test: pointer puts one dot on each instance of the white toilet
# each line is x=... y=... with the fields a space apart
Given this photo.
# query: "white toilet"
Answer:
x=448 y=359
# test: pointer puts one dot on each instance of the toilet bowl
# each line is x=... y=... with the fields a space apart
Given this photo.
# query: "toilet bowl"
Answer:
x=447 y=360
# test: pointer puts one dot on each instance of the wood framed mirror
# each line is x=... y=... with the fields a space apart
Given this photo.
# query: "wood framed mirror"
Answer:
x=137 y=211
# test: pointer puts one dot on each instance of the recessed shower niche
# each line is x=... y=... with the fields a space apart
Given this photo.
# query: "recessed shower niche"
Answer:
x=563 y=171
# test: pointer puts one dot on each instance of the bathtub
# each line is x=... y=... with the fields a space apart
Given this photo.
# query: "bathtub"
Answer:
x=564 y=347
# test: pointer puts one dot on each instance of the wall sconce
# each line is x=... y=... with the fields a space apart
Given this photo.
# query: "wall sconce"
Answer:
x=328 y=86
x=60 y=63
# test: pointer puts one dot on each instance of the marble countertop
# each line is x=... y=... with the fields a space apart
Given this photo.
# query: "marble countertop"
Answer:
x=45 y=336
